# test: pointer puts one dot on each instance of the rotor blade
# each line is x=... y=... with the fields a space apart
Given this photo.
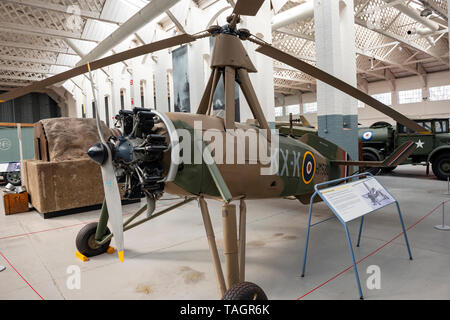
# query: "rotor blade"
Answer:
x=125 y=55
x=113 y=203
x=248 y=7
x=327 y=78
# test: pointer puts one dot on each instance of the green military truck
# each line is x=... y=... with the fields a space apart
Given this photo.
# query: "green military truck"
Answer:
x=381 y=139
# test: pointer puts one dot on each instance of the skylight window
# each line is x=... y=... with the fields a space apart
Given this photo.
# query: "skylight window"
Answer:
x=310 y=107
x=294 y=109
x=440 y=93
x=385 y=98
x=410 y=96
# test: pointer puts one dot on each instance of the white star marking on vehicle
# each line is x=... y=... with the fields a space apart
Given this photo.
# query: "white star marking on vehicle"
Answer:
x=420 y=144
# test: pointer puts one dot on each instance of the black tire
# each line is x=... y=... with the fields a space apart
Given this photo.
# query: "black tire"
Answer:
x=13 y=178
x=85 y=241
x=369 y=156
x=245 y=291
x=441 y=166
x=388 y=170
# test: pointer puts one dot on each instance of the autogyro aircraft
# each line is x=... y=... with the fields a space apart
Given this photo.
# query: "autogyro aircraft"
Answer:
x=147 y=156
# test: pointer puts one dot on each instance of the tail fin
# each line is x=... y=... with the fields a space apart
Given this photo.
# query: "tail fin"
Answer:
x=397 y=157
x=305 y=122
x=332 y=152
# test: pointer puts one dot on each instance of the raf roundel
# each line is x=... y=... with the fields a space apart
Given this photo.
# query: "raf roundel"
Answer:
x=368 y=135
x=309 y=167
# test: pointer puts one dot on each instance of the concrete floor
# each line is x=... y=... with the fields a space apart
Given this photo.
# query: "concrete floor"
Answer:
x=168 y=258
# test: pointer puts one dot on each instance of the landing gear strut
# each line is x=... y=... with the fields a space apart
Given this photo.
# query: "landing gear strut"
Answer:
x=232 y=286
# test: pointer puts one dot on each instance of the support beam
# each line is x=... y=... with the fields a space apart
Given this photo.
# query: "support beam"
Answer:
x=302 y=81
x=34 y=60
x=402 y=40
x=24 y=78
x=391 y=79
x=177 y=23
x=435 y=8
x=298 y=13
x=363 y=83
x=33 y=30
x=413 y=14
x=296 y=34
x=282 y=29
x=13 y=84
x=18 y=69
x=77 y=50
x=386 y=61
x=137 y=21
x=47 y=5
x=22 y=45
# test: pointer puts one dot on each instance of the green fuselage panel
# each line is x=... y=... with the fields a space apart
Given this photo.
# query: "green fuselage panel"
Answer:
x=300 y=167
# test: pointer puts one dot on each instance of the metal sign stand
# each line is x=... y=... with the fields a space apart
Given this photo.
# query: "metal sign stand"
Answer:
x=319 y=193
x=448 y=187
x=443 y=227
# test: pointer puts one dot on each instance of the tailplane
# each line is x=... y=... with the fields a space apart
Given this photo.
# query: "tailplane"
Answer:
x=397 y=157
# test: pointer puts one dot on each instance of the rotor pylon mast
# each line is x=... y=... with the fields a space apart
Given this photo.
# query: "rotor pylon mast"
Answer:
x=230 y=59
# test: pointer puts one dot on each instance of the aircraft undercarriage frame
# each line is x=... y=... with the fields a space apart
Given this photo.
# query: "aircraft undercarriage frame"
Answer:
x=234 y=237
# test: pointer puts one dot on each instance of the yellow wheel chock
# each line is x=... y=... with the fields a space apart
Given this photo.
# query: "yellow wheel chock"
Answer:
x=81 y=256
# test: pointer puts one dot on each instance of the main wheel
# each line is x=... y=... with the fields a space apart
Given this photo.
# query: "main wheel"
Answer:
x=85 y=241
x=13 y=178
x=369 y=156
x=441 y=166
x=245 y=291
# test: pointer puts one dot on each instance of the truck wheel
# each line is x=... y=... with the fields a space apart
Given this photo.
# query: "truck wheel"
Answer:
x=369 y=156
x=13 y=178
x=441 y=166
x=85 y=241
x=245 y=291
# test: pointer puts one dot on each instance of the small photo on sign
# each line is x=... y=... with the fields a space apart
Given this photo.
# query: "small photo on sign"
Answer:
x=374 y=194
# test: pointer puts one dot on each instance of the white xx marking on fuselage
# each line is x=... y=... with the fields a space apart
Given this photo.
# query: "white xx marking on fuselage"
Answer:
x=295 y=164
x=285 y=168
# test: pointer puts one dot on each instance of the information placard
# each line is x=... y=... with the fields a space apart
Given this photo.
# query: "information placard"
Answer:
x=355 y=199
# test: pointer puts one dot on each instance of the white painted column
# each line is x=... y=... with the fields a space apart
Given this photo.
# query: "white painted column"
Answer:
x=115 y=97
x=164 y=62
x=335 y=52
x=196 y=57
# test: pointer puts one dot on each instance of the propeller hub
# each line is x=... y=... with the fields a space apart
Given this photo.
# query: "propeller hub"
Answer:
x=99 y=153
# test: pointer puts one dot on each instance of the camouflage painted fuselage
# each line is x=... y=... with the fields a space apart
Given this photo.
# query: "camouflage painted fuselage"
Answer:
x=301 y=164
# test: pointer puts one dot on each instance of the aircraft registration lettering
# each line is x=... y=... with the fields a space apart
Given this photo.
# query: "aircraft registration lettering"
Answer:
x=290 y=163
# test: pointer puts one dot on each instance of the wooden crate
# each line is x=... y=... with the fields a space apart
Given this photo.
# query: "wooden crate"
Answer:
x=15 y=202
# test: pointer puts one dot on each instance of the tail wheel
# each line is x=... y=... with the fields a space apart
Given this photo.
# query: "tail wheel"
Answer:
x=86 y=243
x=245 y=291
x=388 y=170
x=369 y=156
x=441 y=166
